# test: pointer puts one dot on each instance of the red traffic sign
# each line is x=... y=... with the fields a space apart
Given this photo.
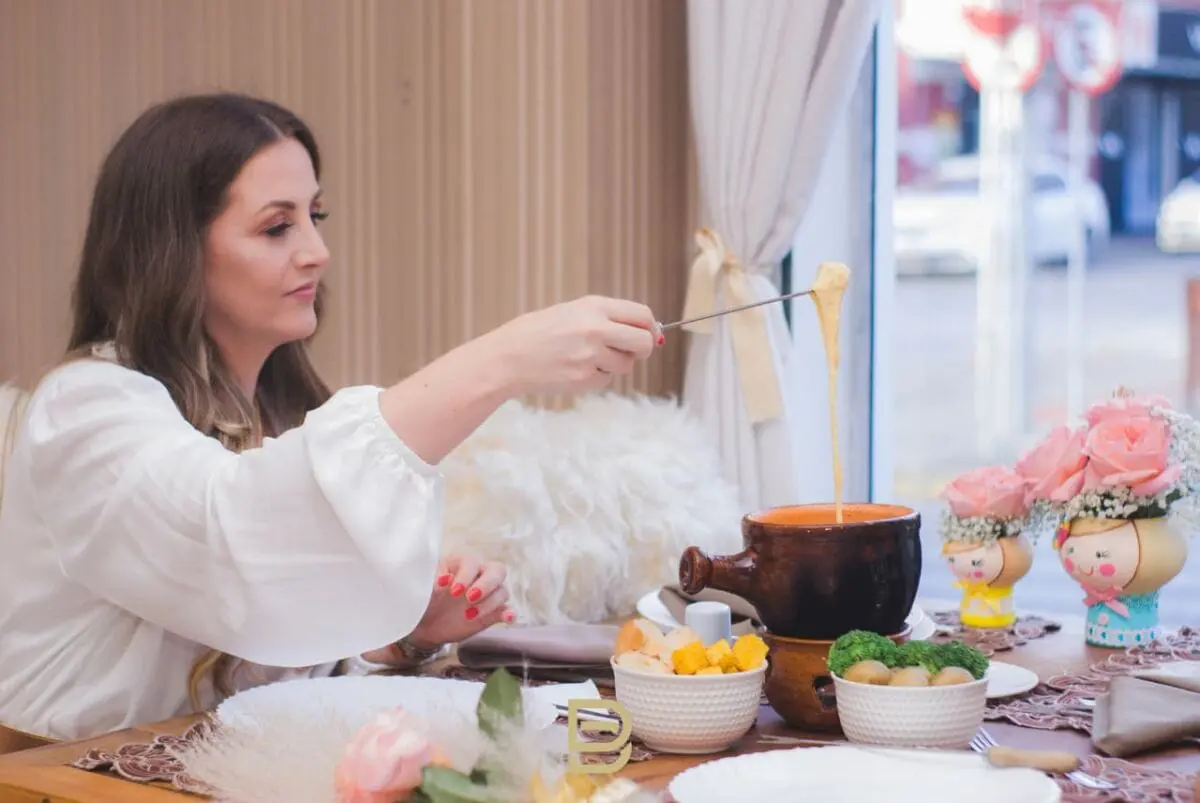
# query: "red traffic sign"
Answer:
x=1013 y=61
x=996 y=19
x=1087 y=44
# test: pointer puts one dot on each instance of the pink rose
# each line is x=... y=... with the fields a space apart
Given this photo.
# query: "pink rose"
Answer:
x=1123 y=407
x=993 y=492
x=1053 y=469
x=385 y=760
x=1133 y=452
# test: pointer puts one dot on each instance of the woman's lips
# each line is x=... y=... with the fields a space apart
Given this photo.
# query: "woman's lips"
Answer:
x=307 y=292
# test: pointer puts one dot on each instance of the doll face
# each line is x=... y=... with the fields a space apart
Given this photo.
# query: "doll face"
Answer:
x=980 y=565
x=1102 y=560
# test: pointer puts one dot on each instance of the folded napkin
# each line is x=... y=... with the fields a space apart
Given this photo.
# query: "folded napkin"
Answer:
x=745 y=617
x=580 y=647
x=1148 y=708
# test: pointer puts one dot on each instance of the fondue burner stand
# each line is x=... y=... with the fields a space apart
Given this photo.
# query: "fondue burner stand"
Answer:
x=798 y=684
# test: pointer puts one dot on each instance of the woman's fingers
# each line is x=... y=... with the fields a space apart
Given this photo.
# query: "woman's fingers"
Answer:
x=633 y=340
x=466 y=570
x=491 y=577
x=491 y=609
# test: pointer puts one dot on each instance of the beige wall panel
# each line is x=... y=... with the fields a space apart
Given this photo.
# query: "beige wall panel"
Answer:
x=482 y=157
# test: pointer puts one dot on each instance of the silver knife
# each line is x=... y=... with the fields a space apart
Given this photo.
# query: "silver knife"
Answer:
x=665 y=326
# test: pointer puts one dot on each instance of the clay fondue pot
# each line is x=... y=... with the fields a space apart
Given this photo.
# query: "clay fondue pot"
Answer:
x=810 y=577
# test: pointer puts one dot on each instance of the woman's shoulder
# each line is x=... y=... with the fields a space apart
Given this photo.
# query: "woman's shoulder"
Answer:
x=95 y=378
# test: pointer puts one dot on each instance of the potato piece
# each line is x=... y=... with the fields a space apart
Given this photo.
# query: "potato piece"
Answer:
x=910 y=676
x=952 y=676
x=749 y=652
x=689 y=659
x=710 y=670
x=639 y=635
x=720 y=655
x=873 y=673
x=643 y=663
x=678 y=638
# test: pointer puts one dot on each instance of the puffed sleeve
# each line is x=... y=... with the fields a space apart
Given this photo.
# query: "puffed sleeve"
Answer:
x=319 y=545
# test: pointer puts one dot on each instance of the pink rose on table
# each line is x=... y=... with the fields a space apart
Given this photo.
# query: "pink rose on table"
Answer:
x=1133 y=406
x=992 y=492
x=385 y=761
x=1053 y=469
x=1132 y=452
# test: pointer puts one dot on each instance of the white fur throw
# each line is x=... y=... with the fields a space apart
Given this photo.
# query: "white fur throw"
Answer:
x=588 y=507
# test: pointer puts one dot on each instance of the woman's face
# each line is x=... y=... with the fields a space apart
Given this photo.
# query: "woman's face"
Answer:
x=265 y=256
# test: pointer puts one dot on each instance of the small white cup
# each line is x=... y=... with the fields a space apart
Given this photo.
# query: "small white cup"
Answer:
x=712 y=621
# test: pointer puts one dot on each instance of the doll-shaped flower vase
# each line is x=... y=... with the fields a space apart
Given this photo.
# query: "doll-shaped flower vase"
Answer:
x=983 y=545
x=1121 y=565
x=986 y=572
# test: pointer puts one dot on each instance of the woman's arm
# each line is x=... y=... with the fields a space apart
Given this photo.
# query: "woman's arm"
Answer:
x=320 y=544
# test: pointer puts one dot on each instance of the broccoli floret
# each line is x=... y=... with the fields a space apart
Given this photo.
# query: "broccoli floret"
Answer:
x=860 y=645
x=955 y=653
x=920 y=653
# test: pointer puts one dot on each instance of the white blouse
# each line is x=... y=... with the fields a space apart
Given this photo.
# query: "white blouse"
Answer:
x=130 y=543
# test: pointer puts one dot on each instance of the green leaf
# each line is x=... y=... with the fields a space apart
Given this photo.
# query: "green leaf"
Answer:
x=500 y=701
x=443 y=785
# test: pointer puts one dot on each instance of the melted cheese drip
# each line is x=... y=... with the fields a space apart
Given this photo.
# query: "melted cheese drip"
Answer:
x=828 y=289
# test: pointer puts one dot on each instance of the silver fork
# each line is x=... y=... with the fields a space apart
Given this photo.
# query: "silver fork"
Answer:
x=983 y=742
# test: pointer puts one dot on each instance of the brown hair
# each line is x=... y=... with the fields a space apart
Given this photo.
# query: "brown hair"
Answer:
x=141 y=280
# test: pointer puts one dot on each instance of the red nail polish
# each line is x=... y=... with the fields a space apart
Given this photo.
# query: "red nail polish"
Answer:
x=457 y=590
x=474 y=594
x=444 y=580
x=509 y=616
x=662 y=339
x=471 y=613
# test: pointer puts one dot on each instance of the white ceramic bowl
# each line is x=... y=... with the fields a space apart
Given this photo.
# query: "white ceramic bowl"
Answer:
x=693 y=714
x=911 y=716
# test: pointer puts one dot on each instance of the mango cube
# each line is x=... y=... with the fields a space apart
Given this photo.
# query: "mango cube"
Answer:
x=749 y=652
x=720 y=655
x=710 y=670
x=689 y=659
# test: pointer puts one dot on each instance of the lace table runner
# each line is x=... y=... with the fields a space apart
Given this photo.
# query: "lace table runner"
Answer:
x=152 y=762
x=1064 y=701
x=991 y=640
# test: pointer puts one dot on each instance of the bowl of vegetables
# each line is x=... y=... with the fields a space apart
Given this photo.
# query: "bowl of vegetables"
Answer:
x=915 y=694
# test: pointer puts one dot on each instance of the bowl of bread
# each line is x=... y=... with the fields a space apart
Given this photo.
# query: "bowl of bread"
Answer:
x=685 y=696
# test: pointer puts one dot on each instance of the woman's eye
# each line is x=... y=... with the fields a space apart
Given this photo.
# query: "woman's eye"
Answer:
x=319 y=217
x=279 y=229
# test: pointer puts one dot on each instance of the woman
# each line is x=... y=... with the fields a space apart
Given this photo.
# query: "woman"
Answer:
x=187 y=505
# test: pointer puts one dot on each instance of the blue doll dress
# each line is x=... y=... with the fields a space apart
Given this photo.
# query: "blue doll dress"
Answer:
x=1107 y=627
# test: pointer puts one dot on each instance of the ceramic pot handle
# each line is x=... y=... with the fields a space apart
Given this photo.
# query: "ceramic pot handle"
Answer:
x=728 y=573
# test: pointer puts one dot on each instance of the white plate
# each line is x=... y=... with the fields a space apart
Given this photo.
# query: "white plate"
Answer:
x=853 y=774
x=651 y=607
x=1008 y=680
x=355 y=699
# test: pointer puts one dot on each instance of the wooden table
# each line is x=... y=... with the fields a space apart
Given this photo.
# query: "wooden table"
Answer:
x=42 y=775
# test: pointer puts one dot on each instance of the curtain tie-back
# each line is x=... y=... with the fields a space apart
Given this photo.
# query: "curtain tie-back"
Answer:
x=714 y=267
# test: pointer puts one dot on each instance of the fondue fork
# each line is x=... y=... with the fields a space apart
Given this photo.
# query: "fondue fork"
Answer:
x=662 y=327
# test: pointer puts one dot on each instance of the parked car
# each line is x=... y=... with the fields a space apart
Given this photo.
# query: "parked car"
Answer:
x=1177 y=229
x=938 y=227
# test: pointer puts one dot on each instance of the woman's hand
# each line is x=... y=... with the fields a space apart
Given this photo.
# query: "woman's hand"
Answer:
x=468 y=597
x=574 y=346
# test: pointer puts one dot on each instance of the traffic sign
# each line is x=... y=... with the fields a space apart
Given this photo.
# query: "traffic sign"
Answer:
x=1013 y=61
x=1087 y=45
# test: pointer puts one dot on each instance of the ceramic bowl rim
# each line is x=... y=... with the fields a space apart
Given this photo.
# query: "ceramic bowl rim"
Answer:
x=642 y=673
x=753 y=519
x=974 y=684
